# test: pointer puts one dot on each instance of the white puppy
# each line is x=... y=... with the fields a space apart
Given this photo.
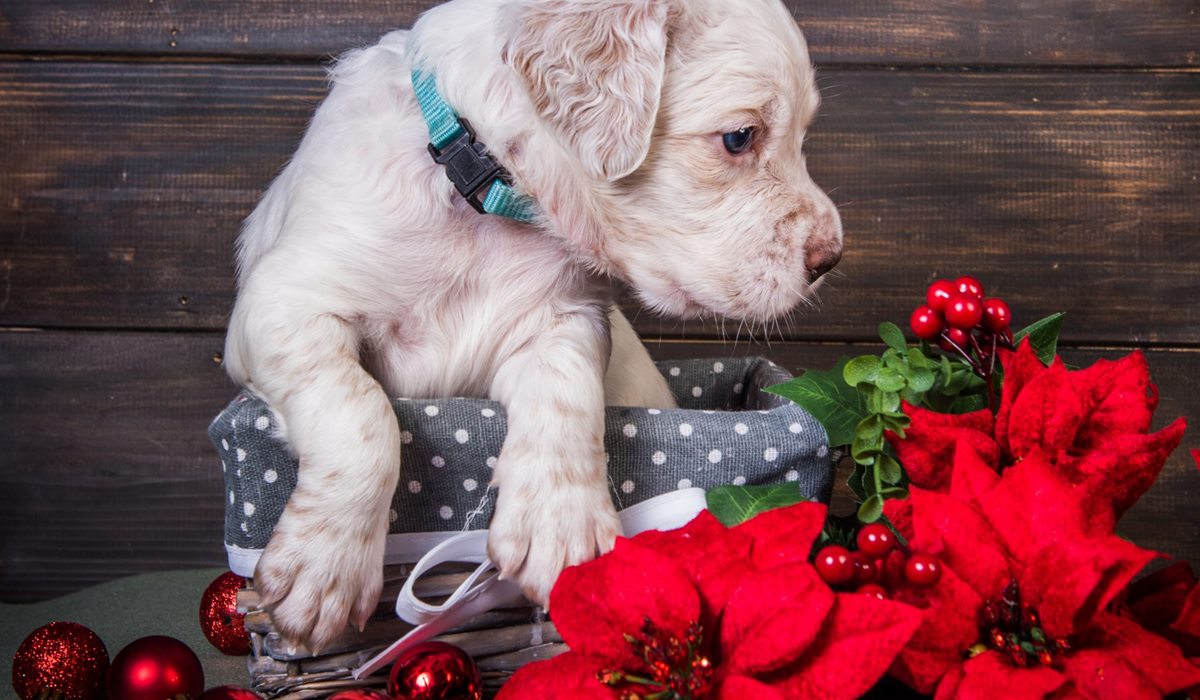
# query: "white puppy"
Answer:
x=661 y=140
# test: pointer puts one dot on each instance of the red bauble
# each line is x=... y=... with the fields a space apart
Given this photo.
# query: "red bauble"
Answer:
x=996 y=315
x=361 y=694
x=963 y=312
x=61 y=656
x=926 y=323
x=435 y=671
x=923 y=570
x=220 y=620
x=229 y=692
x=938 y=295
x=155 y=668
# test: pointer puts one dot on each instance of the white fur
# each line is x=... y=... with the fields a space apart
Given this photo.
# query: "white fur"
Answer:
x=363 y=275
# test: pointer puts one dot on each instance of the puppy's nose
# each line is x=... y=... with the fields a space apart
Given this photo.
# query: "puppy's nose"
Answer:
x=821 y=258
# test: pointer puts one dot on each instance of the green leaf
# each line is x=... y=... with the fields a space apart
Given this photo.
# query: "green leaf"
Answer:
x=890 y=402
x=737 y=504
x=916 y=358
x=855 y=482
x=827 y=397
x=921 y=379
x=1043 y=336
x=967 y=403
x=890 y=380
x=861 y=370
x=871 y=509
x=893 y=336
x=888 y=469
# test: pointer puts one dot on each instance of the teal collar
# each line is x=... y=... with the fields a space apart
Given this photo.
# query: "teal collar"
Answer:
x=468 y=165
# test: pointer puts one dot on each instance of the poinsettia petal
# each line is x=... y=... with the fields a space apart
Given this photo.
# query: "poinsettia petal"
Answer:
x=972 y=478
x=927 y=450
x=959 y=535
x=1020 y=367
x=714 y=556
x=1124 y=467
x=1070 y=581
x=949 y=625
x=595 y=604
x=784 y=535
x=1155 y=658
x=1156 y=599
x=1032 y=506
x=1120 y=398
x=1101 y=675
x=987 y=675
x=773 y=617
x=1046 y=415
x=744 y=687
x=860 y=639
x=569 y=675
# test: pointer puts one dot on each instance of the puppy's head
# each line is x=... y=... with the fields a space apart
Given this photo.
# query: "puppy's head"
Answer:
x=684 y=120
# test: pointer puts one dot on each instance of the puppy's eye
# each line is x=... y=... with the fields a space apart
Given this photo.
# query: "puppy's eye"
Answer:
x=738 y=141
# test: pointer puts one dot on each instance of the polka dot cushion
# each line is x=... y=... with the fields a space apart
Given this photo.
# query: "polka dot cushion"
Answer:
x=725 y=431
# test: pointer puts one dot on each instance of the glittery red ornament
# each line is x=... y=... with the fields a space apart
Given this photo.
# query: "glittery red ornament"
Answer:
x=62 y=657
x=220 y=620
x=361 y=694
x=155 y=668
x=229 y=692
x=435 y=671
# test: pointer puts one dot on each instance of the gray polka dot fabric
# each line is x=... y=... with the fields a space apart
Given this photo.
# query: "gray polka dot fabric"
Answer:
x=725 y=431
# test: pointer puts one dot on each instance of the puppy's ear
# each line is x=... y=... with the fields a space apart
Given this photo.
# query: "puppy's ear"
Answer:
x=594 y=70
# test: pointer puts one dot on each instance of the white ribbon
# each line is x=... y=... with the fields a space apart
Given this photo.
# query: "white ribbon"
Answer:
x=483 y=591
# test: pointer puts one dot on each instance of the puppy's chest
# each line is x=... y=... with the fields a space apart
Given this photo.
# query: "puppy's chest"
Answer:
x=453 y=339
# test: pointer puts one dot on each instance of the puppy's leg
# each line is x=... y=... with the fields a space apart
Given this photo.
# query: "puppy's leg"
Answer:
x=553 y=509
x=324 y=562
x=632 y=378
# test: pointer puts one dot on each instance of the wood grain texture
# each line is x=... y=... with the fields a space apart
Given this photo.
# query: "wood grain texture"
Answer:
x=122 y=187
x=106 y=469
x=892 y=32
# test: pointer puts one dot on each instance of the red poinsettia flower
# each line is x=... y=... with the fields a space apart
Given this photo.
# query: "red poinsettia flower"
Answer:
x=1091 y=425
x=713 y=612
x=1029 y=571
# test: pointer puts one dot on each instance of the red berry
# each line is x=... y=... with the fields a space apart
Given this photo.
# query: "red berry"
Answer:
x=968 y=286
x=874 y=590
x=865 y=569
x=876 y=540
x=964 y=312
x=834 y=565
x=926 y=323
x=954 y=334
x=939 y=295
x=996 y=316
x=923 y=570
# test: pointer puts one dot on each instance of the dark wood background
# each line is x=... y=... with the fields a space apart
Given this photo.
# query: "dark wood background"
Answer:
x=1052 y=147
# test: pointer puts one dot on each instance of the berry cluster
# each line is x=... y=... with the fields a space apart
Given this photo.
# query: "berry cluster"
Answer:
x=1014 y=629
x=862 y=569
x=958 y=317
x=673 y=668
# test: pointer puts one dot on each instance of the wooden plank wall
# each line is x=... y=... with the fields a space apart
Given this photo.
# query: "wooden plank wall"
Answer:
x=1050 y=146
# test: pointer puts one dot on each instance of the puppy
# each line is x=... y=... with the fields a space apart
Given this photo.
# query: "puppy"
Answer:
x=661 y=141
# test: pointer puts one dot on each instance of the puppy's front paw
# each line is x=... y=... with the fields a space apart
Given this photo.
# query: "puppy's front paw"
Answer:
x=536 y=534
x=319 y=571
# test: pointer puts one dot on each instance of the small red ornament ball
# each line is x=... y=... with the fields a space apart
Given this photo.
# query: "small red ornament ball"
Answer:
x=996 y=315
x=939 y=293
x=360 y=694
x=61 y=656
x=963 y=312
x=155 y=668
x=435 y=671
x=874 y=590
x=223 y=626
x=229 y=692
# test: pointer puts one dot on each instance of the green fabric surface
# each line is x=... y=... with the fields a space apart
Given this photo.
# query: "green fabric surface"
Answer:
x=124 y=610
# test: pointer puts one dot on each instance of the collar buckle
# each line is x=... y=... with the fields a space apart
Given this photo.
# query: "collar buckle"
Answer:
x=469 y=166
